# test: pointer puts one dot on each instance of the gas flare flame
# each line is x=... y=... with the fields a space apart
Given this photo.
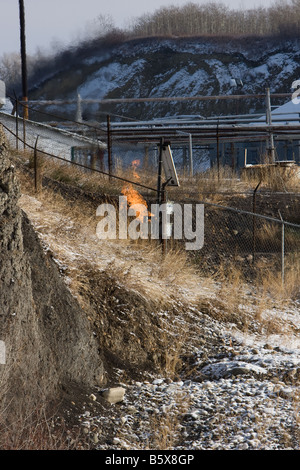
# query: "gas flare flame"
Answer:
x=133 y=196
x=134 y=165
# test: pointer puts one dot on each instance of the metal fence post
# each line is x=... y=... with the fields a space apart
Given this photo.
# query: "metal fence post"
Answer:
x=254 y=222
x=24 y=130
x=218 y=151
x=191 y=155
x=36 y=168
x=282 y=247
x=109 y=146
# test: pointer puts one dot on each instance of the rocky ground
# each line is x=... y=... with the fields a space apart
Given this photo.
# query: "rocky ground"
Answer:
x=242 y=395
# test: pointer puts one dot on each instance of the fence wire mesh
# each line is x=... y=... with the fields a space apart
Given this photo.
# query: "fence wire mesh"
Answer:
x=247 y=240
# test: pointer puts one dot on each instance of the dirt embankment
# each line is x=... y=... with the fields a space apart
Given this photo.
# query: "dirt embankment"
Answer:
x=48 y=340
x=60 y=345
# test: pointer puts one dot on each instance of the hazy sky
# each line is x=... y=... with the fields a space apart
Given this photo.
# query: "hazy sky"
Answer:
x=50 y=22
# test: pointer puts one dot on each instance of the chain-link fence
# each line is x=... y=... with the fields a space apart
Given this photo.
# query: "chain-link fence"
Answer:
x=247 y=240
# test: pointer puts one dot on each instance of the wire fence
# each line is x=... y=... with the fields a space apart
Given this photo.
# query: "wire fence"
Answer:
x=240 y=237
x=248 y=240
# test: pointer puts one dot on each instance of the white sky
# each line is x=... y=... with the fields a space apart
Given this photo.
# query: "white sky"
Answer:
x=50 y=22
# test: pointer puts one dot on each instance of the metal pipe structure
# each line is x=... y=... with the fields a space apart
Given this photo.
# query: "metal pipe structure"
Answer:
x=191 y=163
x=161 y=99
x=204 y=133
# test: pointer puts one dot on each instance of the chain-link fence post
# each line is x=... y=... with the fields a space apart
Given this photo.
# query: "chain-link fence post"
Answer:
x=109 y=140
x=254 y=222
x=36 y=168
x=282 y=247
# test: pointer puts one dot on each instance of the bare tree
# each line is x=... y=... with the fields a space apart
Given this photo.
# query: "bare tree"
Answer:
x=216 y=19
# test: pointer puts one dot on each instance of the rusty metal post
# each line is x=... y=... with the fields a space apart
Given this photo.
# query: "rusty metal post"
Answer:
x=254 y=222
x=159 y=191
x=282 y=247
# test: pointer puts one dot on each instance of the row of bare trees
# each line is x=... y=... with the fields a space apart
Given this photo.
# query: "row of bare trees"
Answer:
x=283 y=17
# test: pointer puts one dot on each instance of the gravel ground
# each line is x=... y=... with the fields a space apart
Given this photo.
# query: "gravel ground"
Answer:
x=245 y=397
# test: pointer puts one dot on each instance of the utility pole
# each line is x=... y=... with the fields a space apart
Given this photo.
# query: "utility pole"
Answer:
x=23 y=57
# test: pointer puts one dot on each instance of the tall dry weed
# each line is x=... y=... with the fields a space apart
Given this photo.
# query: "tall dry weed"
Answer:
x=273 y=176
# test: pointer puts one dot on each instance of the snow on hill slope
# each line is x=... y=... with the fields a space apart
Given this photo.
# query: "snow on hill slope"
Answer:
x=159 y=67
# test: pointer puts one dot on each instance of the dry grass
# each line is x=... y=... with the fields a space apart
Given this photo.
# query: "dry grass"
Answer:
x=246 y=302
x=165 y=429
x=273 y=177
x=70 y=232
x=210 y=185
x=231 y=280
x=174 y=335
x=138 y=262
x=26 y=422
x=217 y=180
x=173 y=267
x=281 y=291
x=140 y=265
x=37 y=431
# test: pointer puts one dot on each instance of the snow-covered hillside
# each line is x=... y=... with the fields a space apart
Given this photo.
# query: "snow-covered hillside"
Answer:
x=160 y=67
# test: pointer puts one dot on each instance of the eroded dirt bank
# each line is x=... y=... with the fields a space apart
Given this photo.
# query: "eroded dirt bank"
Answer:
x=48 y=340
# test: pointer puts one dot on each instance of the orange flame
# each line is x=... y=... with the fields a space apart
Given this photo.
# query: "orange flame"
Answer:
x=133 y=196
x=135 y=164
